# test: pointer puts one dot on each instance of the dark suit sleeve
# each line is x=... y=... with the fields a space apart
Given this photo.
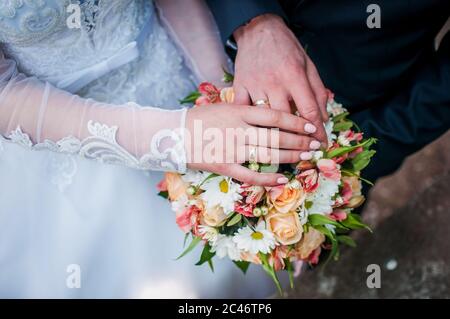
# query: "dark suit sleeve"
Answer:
x=411 y=119
x=231 y=14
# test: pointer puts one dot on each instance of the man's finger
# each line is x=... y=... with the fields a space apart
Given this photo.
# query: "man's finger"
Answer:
x=307 y=107
x=319 y=89
x=279 y=100
x=241 y=95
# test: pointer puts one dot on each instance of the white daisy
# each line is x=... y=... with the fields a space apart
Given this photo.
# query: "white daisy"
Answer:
x=209 y=233
x=221 y=191
x=194 y=177
x=255 y=241
x=322 y=198
x=224 y=246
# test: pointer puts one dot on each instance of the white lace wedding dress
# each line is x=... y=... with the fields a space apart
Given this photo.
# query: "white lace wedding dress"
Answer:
x=62 y=203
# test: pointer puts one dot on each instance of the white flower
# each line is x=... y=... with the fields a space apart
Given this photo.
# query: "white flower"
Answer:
x=194 y=177
x=335 y=108
x=180 y=204
x=302 y=214
x=255 y=241
x=224 y=246
x=317 y=155
x=221 y=191
x=342 y=140
x=322 y=198
x=209 y=233
x=329 y=130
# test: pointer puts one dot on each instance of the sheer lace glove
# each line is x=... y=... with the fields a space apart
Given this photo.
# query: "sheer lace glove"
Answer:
x=39 y=116
x=192 y=26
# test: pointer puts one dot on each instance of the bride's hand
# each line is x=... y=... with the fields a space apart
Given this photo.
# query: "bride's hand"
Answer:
x=221 y=136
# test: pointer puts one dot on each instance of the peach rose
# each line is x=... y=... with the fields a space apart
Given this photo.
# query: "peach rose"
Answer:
x=227 y=95
x=176 y=187
x=309 y=243
x=285 y=198
x=285 y=226
x=214 y=216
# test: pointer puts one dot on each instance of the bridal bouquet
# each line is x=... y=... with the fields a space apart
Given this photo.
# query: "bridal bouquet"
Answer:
x=275 y=227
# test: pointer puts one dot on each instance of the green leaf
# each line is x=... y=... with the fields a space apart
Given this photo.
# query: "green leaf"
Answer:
x=268 y=168
x=362 y=159
x=340 y=117
x=270 y=271
x=242 y=265
x=347 y=149
x=190 y=98
x=320 y=220
x=236 y=219
x=191 y=246
x=186 y=236
x=227 y=76
x=164 y=194
x=290 y=271
x=353 y=221
x=342 y=126
x=308 y=204
x=206 y=256
x=346 y=240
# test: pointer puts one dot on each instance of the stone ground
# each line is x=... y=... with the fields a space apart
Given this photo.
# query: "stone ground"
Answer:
x=410 y=214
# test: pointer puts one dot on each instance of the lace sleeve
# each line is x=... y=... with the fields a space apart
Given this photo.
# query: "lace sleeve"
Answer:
x=40 y=116
x=194 y=29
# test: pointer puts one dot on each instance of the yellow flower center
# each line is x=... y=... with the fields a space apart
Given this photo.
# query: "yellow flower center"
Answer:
x=223 y=186
x=257 y=235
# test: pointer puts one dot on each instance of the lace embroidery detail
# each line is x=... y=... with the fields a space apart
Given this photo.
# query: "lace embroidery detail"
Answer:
x=102 y=146
x=8 y=7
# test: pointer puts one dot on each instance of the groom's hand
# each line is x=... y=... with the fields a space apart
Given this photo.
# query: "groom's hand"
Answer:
x=271 y=64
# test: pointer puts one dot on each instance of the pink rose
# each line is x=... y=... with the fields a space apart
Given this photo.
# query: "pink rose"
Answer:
x=210 y=91
x=329 y=169
x=244 y=209
x=202 y=100
x=162 y=185
x=253 y=194
x=338 y=215
x=276 y=259
x=309 y=180
x=188 y=218
x=313 y=259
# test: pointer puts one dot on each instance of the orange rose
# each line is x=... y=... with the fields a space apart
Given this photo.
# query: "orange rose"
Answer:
x=285 y=226
x=176 y=187
x=310 y=242
x=286 y=198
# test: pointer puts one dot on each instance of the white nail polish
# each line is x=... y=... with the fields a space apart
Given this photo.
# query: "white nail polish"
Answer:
x=305 y=156
x=282 y=180
x=314 y=145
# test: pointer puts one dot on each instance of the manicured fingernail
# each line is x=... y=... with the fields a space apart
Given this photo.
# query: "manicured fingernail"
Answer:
x=305 y=156
x=314 y=145
x=282 y=180
x=309 y=128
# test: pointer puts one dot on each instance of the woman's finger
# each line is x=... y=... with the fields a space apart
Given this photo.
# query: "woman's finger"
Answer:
x=265 y=155
x=277 y=119
x=245 y=175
